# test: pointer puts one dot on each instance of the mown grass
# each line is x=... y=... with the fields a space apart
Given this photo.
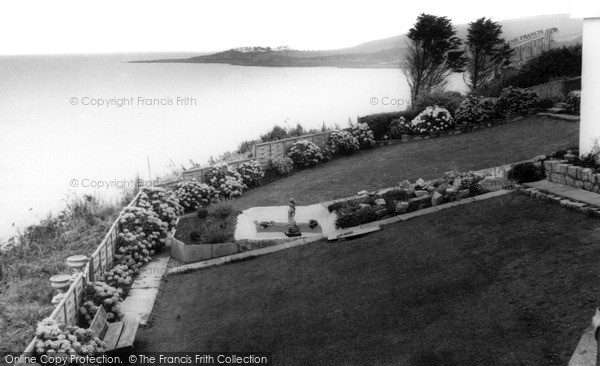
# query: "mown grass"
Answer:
x=506 y=281
x=428 y=159
x=41 y=252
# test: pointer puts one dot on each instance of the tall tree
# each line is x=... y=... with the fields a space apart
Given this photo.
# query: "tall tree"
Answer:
x=487 y=53
x=433 y=54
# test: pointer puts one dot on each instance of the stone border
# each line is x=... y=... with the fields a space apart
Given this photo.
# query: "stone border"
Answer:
x=565 y=202
x=296 y=243
x=561 y=172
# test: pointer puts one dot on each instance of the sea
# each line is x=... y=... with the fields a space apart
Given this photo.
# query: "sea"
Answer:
x=90 y=124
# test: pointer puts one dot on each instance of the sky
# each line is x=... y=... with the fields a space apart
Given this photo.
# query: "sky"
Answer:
x=64 y=27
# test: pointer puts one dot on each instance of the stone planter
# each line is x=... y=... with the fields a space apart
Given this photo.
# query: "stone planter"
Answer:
x=61 y=284
x=76 y=263
x=198 y=252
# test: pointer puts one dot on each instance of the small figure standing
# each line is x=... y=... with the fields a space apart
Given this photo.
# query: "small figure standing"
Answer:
x=292 y=212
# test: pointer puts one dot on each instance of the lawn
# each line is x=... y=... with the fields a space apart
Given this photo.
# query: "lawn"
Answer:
x=427 y=159
x=506 y=281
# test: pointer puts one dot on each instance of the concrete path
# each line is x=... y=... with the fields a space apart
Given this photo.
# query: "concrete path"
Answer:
x=140 y=301
x=568 y=192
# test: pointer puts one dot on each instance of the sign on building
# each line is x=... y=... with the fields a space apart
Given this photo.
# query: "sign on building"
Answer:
x=531 y=44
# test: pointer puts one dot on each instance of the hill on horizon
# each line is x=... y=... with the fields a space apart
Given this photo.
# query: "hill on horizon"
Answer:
x=387 y=52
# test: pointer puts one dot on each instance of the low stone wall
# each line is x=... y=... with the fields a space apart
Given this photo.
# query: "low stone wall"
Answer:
x=560 y=171
x=200 y=252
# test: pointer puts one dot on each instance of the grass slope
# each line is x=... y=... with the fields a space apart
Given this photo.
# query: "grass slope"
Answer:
x=25 y=291
x=506 y=281
x=427 y=159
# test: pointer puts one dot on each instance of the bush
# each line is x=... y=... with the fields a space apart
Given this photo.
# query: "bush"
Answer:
x=142 y=233
x=201 y=213
x=251 y=172
x=357 y=217
x=195 y=236
x=216 y=232
x=59 y=340
x=433 y=119
x=193 y=195
x=515 y=101
x=379 y=123
x=589 y=160
x=220 y=210
x=574 y=102
x=342 y=143
x=119 y=277
x=546 y=103
x=449 y=100
x=225 y=180
x=526 y=172
x=96 y=294
x=164 y=203
x=305 y=154
x=398 y=128
x=363 y=135
x=474 y=110
x=283 y=166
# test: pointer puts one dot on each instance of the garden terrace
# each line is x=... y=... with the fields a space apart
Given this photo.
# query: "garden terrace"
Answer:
x=490 y=283
x=377 y=168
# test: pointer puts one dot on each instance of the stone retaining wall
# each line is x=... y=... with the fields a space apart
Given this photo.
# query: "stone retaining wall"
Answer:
x=560 y=171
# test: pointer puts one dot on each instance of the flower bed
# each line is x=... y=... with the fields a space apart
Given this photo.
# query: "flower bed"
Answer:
x=409 y=197
x=143 y=230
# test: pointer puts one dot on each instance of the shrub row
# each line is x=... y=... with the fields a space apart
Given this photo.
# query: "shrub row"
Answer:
x=471 y=110
x=144 y=229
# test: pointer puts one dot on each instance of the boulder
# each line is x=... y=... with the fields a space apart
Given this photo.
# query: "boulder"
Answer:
x=491 y=183
x=421 y=193
x=437 y=199
x=464 y=193
x=380 y=202
x=421 y=183
x=402 y=207
x=405 y=184
x=363 y=193
x=442 y=188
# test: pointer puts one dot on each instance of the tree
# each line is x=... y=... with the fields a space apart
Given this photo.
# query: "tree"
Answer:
x=432 y=55
x=487 y=54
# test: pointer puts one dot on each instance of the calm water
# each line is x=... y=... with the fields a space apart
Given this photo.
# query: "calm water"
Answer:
x=49 y=139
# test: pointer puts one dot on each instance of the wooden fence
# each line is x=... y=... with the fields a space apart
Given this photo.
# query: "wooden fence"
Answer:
x=262 y=153
x=100 y=261
x=266 y=151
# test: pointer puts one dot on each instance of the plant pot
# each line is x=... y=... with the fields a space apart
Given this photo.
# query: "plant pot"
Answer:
x=60 y=283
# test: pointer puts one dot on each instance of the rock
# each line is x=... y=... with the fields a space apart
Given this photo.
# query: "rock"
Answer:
x=442 y=188
x=420 y=202
x=402 y=207
x=421 y=193
x=464 y=193
x=451 y=190
x=588 y=186
x=405 y=184
x=381 y=212
x=491 y=183
x=363 y=193
x=380 y=202
x=364 y=205
x=410 y=192
x=421 y=183
x=579 y=184
x=457 y=183
x=437 y=199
